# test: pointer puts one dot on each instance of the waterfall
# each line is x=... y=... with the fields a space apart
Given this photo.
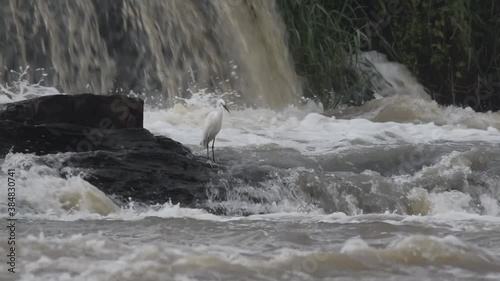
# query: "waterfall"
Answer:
x=163 y=49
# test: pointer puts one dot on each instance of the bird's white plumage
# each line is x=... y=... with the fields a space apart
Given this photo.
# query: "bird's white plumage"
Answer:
x=213 y=124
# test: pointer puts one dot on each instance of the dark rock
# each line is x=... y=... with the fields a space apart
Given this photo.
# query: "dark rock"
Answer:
x=127 y=162
x=114 y=111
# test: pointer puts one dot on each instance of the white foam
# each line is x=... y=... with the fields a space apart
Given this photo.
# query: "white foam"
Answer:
x=43 y=194
x=491 y=205
x=40 y=189
x=22 y=89
x=303 y=128
x=100 y=257
x=308 y=132
x=354 y=245
x=390 y=78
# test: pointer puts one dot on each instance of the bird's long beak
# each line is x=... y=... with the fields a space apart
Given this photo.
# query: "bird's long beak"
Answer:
x=226 y=108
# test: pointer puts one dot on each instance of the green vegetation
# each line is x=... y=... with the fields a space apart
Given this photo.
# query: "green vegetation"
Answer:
x=452 y=46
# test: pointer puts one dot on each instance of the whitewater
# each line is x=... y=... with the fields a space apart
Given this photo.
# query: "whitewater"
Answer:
x=400 y=188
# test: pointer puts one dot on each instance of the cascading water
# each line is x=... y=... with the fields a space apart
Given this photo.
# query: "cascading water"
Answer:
x=399 y=188
x=164 y=49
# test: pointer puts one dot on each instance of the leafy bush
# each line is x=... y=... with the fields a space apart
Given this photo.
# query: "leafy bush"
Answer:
x=450 y=45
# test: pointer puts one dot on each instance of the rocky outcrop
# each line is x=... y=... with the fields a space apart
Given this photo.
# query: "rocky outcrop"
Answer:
x=114 y=111
x=120 y=158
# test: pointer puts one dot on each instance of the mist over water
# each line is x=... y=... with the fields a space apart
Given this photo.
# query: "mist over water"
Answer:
x=399 y=188
x=163 y=49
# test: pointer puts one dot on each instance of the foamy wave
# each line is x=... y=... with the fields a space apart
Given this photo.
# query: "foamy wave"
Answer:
x=406 y=100
x=98 y=257
x=408 y=109
x=40 y=188
x=22 y=89
x=425 y=250
x=389 y=78
x=43 y=192
x=307 y=131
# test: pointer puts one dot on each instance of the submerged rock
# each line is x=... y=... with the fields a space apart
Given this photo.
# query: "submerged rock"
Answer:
x=121 y=158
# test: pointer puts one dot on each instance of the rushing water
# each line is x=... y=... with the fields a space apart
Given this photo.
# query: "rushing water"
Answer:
x=380 y=192
x=161 y=48
x=397 y=189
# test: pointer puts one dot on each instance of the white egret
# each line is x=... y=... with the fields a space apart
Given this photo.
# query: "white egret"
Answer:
x=213 y=123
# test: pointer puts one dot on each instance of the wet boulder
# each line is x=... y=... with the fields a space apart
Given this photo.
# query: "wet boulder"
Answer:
x=116 y=155
x=95 y=111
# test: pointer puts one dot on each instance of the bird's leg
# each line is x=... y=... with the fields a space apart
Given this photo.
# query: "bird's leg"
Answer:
x=208 y=154
x=213 y=154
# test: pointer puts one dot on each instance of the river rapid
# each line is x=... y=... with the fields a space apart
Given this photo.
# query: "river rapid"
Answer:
x=397 y=189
